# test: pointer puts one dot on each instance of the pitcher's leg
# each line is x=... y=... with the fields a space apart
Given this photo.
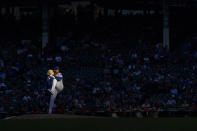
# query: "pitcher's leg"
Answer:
x=54 y=85
x=59 y=86
x=52 y=100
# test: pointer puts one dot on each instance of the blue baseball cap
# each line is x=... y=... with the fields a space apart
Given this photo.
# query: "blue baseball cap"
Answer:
x=56 y=68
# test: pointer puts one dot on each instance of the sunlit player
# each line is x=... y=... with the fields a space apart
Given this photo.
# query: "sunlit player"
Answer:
x=55 y=81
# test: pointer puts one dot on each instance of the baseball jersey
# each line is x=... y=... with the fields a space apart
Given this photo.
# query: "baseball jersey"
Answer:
x=50 y=81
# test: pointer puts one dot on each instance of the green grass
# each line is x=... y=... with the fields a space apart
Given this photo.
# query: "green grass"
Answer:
x=101 y=124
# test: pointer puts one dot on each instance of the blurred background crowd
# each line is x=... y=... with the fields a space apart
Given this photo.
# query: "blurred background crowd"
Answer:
x=111 y=64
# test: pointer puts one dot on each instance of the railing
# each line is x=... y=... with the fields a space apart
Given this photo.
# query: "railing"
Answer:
x=127 y=113
x=141 y=113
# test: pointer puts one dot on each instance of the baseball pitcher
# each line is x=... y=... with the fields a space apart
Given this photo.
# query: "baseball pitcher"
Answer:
x=55 y=80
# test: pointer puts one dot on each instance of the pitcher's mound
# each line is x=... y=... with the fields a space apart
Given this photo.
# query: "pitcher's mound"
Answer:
x=50 y=116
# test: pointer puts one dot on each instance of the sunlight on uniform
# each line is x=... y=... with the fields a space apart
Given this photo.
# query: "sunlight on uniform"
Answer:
x=55 y=81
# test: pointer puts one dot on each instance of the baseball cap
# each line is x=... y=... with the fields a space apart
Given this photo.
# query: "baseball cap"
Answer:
x=56 y=68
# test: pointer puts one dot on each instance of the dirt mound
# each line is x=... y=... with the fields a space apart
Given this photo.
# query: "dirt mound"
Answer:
x=49 y=116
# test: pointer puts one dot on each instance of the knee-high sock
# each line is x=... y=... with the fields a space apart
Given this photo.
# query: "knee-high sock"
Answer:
x=52 y=100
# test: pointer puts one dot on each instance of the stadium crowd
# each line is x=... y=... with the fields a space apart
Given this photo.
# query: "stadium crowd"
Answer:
x=143 y=77
x=102 y=72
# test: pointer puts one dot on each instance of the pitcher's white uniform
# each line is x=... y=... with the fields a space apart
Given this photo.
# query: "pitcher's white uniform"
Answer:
x=57 y=87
